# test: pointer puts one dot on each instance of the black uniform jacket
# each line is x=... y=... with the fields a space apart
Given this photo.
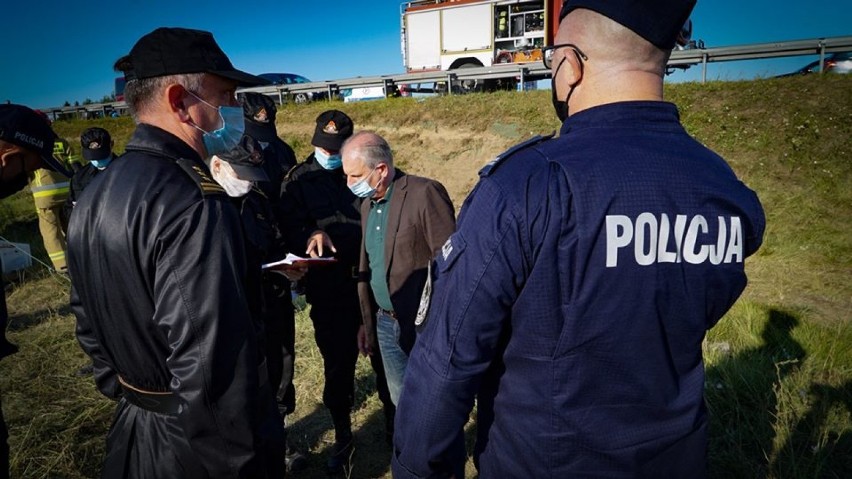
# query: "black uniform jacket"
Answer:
x=79 y=182
x=315 y=198
x=158 y=269
x=278 y=157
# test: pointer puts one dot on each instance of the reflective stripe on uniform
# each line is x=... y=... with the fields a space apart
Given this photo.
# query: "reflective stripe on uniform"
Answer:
x=51 y=190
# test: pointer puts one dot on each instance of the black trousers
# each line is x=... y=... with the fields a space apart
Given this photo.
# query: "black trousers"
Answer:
x=280 y=323
x=336 y=323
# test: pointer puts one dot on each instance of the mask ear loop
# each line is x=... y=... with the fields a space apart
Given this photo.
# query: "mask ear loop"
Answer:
x=573 y=86
x=218 y=111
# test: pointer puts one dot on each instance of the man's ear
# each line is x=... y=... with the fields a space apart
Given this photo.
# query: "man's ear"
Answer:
x=573 y=68
x=175 y=94
x=10 y=155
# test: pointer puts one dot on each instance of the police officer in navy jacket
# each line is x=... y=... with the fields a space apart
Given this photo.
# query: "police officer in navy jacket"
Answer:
x=573 y=298
x=26 y=144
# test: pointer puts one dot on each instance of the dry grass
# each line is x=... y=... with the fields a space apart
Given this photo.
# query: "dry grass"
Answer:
x=779 y=385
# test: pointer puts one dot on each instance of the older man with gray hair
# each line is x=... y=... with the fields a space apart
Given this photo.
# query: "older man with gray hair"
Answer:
x=405 y=220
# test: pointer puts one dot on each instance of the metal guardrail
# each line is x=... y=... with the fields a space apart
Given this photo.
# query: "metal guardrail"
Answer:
x=703 y=56
x=523 y=72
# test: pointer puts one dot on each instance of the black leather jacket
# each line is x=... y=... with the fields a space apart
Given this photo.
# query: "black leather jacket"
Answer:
x=158 y=268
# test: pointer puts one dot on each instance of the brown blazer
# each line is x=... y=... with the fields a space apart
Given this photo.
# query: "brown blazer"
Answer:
x=420 y=220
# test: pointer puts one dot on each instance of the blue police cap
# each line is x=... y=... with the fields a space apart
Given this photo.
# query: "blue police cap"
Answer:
x=658 y=21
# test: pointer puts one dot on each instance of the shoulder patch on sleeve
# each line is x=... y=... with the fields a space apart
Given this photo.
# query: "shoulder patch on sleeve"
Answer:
x=200 y=177
x=493 y=164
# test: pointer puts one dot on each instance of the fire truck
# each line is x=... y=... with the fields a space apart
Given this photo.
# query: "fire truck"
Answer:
x=451 y=34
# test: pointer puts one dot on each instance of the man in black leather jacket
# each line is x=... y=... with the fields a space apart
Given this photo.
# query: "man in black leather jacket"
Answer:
x=159 y=271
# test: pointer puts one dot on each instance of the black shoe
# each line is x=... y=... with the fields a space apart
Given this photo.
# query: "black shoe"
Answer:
x=295 y=460
x=341 y=455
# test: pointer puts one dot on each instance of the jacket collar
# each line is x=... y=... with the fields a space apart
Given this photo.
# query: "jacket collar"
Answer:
x=156 y=141
x=649 y=114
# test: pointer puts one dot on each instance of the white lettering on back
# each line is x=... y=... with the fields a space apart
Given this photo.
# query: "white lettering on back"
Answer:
x=651 y=236
x=614 y=239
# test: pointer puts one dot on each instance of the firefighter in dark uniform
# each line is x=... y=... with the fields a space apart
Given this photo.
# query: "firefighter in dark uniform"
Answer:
x=280 y=320
x=573 y=298
x=97 y=147
x=278 y=156
x=159 y=278
x=26 y=144
x=321 y=213
x=269 y=290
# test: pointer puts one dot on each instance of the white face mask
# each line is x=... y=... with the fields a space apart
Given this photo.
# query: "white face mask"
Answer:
x=228 y=179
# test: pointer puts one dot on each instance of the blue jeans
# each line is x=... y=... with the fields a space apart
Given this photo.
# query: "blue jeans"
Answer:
x=395 y=359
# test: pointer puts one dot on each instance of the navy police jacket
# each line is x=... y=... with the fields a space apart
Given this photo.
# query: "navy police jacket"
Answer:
x=572 y=302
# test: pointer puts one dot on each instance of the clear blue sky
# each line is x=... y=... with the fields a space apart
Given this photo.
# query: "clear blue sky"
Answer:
x=53 y=50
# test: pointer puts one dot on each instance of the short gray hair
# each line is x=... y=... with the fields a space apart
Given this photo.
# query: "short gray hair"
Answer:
x=371 y=150
x=140 y=93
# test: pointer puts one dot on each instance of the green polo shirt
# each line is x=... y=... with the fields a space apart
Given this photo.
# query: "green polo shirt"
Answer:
x=374 y=241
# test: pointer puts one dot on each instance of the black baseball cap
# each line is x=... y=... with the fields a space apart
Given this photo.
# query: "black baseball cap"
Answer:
x=246 y=159
x=658 y=21
x=258 y=108
x=97 y=144
x=174 y=51
x=333 y=128
x=24 y=127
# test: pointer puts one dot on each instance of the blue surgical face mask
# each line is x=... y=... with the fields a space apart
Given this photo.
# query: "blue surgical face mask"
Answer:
x=329 y=162
x=228 y=136
x=362 y=189
x=101 y=164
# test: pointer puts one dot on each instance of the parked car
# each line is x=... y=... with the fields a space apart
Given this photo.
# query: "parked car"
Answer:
x=834 y=63
x=293 y=79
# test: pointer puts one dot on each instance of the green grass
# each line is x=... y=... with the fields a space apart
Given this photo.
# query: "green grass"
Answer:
x=779 y=365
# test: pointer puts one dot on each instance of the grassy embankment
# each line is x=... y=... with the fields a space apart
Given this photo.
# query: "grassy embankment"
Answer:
x=779 y=382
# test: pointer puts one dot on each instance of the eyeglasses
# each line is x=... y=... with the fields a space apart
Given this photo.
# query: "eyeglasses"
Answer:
x=547 y=53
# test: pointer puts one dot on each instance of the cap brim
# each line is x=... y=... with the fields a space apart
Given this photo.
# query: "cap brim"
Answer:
x=250 y=173
x=51 y=163
x=242 y=78
x=329 y=142
x=261 y=131
x=92 y=154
